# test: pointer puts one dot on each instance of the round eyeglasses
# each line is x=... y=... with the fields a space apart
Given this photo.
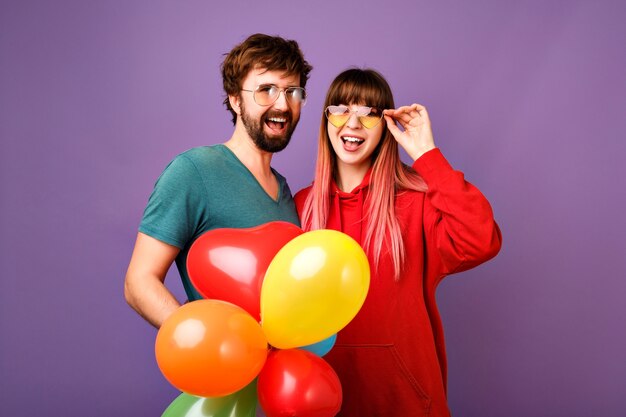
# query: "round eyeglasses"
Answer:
x=267 y=94
x=338 y=116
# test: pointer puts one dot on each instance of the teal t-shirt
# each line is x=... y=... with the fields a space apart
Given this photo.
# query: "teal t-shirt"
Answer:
x=208 y=188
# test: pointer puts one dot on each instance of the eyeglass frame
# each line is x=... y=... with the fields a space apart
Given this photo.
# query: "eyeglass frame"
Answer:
x=350 y=112
x=280 y=90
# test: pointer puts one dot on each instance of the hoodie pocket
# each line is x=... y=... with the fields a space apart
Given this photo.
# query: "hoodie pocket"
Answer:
x=376 y=382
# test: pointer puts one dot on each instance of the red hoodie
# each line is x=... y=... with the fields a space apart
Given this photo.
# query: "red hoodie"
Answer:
x=391 y=357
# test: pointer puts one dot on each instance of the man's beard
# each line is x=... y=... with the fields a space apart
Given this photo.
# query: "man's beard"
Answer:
x=254 y=127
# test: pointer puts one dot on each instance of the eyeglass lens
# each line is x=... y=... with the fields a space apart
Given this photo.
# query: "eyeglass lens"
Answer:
x=339 y=115
x=268 y=94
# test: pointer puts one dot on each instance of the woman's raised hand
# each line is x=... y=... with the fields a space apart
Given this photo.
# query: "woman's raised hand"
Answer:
x=417 y=136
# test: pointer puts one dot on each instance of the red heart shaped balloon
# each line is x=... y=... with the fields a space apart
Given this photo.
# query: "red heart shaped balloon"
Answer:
x=229 y=264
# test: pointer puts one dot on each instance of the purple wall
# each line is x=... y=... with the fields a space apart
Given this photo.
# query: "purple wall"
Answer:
x=528 y=99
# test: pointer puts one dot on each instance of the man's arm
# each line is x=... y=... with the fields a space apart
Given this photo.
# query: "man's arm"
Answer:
x=143 y=288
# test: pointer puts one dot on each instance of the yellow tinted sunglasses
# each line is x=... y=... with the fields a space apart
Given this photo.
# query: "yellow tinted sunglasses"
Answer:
x=338 y=116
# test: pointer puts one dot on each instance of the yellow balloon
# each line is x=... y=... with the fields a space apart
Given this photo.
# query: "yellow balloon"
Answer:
x=312 y=288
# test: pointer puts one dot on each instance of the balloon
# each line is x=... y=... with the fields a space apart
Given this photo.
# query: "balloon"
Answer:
x=240 y=404
x=210 y=348
x=295 y=382
x=229 y=264
x=313 y=287
x=321 y=348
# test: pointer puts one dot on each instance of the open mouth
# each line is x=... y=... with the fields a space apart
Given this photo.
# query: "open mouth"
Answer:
x=276 y=123
x=351 y=143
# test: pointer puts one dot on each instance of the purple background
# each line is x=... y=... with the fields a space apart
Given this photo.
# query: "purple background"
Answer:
x=528 y=99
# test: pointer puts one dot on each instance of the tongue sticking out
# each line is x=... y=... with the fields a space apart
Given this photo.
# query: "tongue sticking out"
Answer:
x=351 y=145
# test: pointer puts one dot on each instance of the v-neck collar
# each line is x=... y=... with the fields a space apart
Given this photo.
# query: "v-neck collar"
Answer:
x=227 y=151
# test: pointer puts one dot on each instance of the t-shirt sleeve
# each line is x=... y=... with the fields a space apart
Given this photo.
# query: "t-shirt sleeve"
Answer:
x=175 y=208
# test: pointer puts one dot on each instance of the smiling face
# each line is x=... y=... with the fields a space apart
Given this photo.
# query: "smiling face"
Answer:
x=353 y=143
x=269 y=127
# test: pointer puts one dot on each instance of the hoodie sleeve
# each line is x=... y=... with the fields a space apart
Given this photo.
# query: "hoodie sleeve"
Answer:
x=459 y=226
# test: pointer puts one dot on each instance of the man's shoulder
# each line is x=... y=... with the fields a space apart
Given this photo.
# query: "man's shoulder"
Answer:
x=203 y=158
x=202 y=153
x=194 y=163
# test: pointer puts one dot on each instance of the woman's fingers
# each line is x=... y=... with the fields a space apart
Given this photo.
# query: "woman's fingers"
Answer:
x=391 y=125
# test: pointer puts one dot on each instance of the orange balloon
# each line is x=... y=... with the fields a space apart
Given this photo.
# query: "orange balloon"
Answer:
x=210 y=348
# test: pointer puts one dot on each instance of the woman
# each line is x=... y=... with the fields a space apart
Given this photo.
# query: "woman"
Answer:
x=416 y=225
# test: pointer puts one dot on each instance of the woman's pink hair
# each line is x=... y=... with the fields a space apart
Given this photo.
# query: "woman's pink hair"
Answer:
x=389 y=175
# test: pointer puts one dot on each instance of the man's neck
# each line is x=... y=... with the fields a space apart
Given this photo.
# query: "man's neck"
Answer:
x=256 y=160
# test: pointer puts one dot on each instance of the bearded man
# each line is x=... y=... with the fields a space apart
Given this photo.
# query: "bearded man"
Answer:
x=230 y=185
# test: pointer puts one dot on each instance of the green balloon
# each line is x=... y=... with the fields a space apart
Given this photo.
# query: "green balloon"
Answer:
x=239 y=404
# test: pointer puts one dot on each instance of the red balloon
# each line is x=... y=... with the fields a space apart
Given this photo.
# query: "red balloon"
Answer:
x=229 y=264
x=295 y=382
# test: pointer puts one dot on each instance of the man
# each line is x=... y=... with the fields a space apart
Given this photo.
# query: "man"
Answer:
x=226 y=185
